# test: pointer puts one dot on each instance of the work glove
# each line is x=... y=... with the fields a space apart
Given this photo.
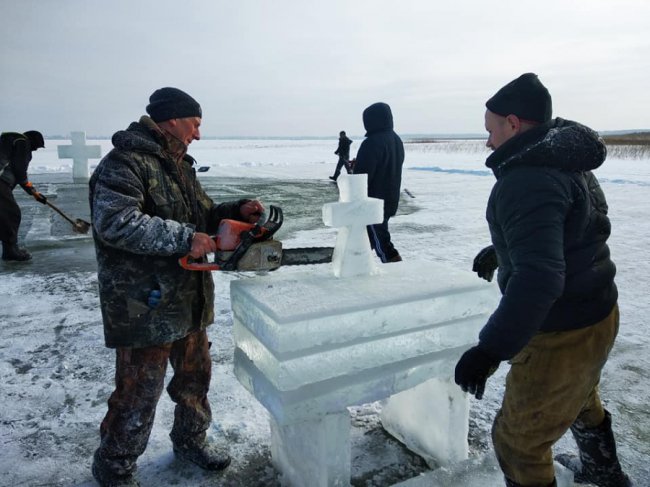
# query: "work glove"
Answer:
x=154 y=298
x=31 y=190
x=39 y=197
x=473 y=370
x=485 y=263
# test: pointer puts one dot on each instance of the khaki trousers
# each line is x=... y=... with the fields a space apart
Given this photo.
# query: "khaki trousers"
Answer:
x=139 y=381
x=553 y=382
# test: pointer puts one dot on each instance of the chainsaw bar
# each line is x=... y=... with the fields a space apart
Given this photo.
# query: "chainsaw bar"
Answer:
x=307 y=255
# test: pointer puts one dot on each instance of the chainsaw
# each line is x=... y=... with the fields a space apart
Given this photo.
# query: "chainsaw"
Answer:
x=245 y=246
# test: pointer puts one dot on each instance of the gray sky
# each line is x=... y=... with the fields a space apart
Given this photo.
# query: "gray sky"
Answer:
x=309 y=67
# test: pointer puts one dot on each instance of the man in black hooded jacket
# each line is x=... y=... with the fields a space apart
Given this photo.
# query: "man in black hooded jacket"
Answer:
x=15 y=154
x=381 y=157
x=558 y=316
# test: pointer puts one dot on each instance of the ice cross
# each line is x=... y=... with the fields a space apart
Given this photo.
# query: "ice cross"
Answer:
x=79 y=152
x=354 y=210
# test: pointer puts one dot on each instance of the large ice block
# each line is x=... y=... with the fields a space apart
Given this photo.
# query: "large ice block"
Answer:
x=309 y=344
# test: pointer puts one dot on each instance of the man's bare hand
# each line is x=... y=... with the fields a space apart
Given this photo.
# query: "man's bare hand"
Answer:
x=202 y=244
x=251 y=211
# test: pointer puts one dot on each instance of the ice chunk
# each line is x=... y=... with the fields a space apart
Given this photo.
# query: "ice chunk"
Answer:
x=311 y=343
x=481 y=471
x=313 y=453
x=432 y=419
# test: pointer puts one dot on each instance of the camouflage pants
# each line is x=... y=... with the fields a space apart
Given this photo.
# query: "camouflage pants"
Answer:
x=139 y=380
x=553 y=382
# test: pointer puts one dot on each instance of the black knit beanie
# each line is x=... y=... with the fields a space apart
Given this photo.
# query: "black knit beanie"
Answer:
x=168 y=103
x=525 y=97
x=35 y=138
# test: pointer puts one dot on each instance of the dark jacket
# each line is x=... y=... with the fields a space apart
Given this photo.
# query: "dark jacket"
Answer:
x=15 y=155
x=381 y=157
x=343 y=150
x=145 y=210
x=548 y=221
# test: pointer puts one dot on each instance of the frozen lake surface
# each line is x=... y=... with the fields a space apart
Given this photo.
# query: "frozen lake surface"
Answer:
x=56 y=374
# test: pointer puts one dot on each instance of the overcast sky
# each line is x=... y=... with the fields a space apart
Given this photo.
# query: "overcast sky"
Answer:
x=310 y=67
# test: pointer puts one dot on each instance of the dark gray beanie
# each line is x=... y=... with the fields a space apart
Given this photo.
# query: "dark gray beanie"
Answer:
x=525 y=97
x=168 y=103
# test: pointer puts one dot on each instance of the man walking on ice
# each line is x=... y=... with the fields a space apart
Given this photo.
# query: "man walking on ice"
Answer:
x=558 y=317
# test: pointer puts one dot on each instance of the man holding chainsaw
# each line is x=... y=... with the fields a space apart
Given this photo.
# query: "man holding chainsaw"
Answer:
x=15 y=154
x=558 y=316
x=148 y=210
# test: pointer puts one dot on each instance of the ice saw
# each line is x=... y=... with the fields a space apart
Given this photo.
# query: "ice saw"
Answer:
x=245 y=246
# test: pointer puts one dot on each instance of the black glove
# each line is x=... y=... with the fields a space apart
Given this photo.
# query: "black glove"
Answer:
x=39 y=197
x=31 y=190
x=473 y=370
x=485 y=263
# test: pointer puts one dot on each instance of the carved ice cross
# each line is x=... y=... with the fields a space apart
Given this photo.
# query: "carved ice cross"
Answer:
x=79 y=152
x=351 y=214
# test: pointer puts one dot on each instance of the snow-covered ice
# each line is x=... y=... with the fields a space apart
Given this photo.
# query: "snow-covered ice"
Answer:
x=56 y=374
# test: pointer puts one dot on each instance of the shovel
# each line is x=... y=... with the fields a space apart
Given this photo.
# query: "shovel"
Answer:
x=78 y=225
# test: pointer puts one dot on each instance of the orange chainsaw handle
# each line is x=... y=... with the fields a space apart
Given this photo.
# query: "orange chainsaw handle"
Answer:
x=197 y=266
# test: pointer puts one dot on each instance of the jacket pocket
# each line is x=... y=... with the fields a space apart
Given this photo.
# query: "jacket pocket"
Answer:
x=136 y=309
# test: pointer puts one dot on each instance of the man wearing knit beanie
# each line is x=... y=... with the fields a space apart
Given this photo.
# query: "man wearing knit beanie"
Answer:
x=15 y=155
x=168 y=103
x=558 y=315
x=148 y=209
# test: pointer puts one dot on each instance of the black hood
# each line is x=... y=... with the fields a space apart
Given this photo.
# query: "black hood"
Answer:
x=559 y=143
x=377 y=118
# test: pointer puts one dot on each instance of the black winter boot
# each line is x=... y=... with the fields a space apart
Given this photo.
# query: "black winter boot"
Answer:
x=510 y=483
x=206 y=455
x=11 y=251
x=598 y=463
x=108 y=475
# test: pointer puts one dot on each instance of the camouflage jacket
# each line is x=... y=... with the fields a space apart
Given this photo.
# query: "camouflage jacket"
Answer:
x=145 y=209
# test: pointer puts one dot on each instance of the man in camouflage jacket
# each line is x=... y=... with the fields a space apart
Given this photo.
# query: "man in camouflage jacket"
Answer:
x=148 y=209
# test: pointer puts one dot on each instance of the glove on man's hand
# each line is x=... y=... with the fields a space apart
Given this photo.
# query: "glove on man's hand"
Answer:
x=31 y=190
x=485 y=263
x=473 y=370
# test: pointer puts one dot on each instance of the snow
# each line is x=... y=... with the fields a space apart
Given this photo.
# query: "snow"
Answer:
x=56 y=374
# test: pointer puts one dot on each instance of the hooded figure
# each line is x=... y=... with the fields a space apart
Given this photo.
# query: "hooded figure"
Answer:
x=15 y=155
x=381 y=157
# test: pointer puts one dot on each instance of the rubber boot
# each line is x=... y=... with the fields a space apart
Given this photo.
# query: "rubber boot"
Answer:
x=206 y=454
x=598 y=463
x=11 y=251
x=510 y=483
x=108 y=475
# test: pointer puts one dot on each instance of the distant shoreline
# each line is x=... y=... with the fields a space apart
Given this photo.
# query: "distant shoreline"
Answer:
x=612 y=137
x=635 y=138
